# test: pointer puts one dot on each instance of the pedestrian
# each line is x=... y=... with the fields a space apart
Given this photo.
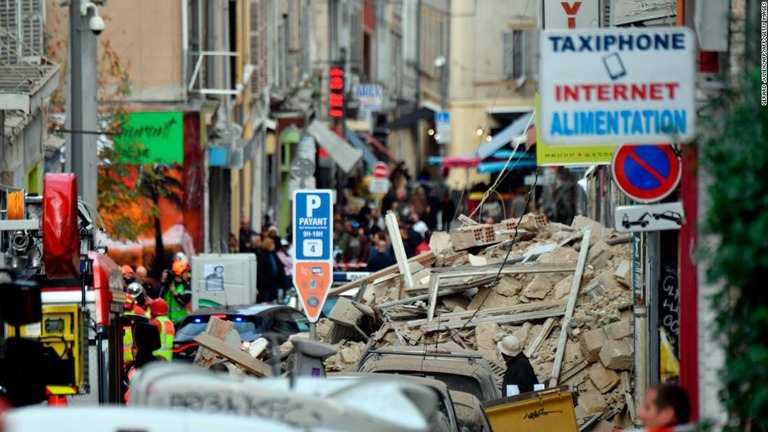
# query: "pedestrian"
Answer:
x=286 y=260
x=418 y=225
x=424 y=245
x=447 y=211
x=381 y=259
x=365 y=245
x=271 y=271
x=146 y=341
x=246 y=232
x=564 y=196
x=159 y=317
x=519 y=370
x=664 y=406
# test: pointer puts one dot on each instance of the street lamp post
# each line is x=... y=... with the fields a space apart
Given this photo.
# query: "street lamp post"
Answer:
x=442 y=136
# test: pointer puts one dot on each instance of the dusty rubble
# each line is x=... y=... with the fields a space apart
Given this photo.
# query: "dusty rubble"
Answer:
x=454 y=300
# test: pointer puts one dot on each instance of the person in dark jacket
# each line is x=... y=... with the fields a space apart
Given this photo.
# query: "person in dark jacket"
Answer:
x=381 y=259
x=519 y=370
x=269 y=274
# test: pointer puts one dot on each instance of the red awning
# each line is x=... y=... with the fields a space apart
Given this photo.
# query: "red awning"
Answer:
x=461 y=162
x=379 y=146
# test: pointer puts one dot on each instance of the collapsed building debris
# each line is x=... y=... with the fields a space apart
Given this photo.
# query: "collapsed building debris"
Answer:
x=564 y=291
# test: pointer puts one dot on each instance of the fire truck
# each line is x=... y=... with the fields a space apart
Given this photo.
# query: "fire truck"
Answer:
x=60 y=299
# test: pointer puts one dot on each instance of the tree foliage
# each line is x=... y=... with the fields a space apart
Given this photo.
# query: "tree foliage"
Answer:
x=737 y=158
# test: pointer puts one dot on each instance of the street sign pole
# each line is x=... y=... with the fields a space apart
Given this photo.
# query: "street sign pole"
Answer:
x=313 y=244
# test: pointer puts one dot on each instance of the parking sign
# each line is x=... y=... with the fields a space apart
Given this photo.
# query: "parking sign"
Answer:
x=313 y=246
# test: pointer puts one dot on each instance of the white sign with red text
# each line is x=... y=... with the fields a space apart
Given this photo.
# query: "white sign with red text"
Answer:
x=559 y=14
x=617 y=85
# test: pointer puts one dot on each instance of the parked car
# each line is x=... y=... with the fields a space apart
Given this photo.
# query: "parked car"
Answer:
x=251 y=322
x=461 y=370
x=469 y=412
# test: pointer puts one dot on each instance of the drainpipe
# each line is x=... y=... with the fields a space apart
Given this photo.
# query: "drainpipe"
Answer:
x=184 y=45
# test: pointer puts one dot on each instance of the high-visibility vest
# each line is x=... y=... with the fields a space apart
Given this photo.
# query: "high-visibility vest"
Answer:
x=127 y=344
x=167 y=331
x=176 y=311
x=127 y=395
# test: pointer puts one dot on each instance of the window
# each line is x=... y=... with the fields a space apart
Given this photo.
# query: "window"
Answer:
x=519 y=52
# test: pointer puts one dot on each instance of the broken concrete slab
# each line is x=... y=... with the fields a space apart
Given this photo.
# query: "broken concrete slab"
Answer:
x=494 y=300
x=618 y=330
x=616 y=355
x=599 y=254
x=538 y=288
x=604 y=379
x=591 y=342
x=563 y=288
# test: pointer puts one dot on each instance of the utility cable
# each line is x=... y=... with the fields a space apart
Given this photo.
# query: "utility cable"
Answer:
x=501 y=267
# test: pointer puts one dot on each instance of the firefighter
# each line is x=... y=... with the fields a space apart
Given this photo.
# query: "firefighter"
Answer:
x=159 y=312
x=133 y=314
x=147 y=341
x=177 y=292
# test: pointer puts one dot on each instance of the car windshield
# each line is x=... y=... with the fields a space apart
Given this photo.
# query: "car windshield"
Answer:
x=246 y=327
x=453 y=382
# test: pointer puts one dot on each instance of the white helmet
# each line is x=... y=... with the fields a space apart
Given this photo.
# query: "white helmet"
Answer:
x=135 y=289
x=180 y=256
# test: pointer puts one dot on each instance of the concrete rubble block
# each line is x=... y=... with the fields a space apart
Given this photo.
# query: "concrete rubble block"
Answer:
x=485 y=334
x=598 y=230
x=509 y=286
x=563 y=288
x=539 y=287
x=601 y=285
x=351 y=353
x=439 y=241
x=604 y=379
x=599 y=254
x=591 y=342
x=618 y=330
x=559 y=256
x=455 y=301
x=616 y=355
x=592 y=401
x=623 y=273
x=573 y=353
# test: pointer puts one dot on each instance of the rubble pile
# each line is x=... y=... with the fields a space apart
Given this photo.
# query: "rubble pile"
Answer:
x=460 y=296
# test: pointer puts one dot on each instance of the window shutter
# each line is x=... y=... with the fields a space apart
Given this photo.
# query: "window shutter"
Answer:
x=8 y=31
x=31 y=27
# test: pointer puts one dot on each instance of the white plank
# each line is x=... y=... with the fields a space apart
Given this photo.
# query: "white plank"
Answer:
x=572 y=297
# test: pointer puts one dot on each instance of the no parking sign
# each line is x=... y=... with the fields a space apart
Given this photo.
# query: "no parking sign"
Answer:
x=646 y=173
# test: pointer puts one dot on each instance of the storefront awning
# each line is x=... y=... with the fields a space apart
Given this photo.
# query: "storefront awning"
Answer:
x=507 y=135
x=496 y=167
x=368 y=156
x=345 y=156
x=410 y=119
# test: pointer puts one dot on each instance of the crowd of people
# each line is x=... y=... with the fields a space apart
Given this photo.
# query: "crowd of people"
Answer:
x=153 y=311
